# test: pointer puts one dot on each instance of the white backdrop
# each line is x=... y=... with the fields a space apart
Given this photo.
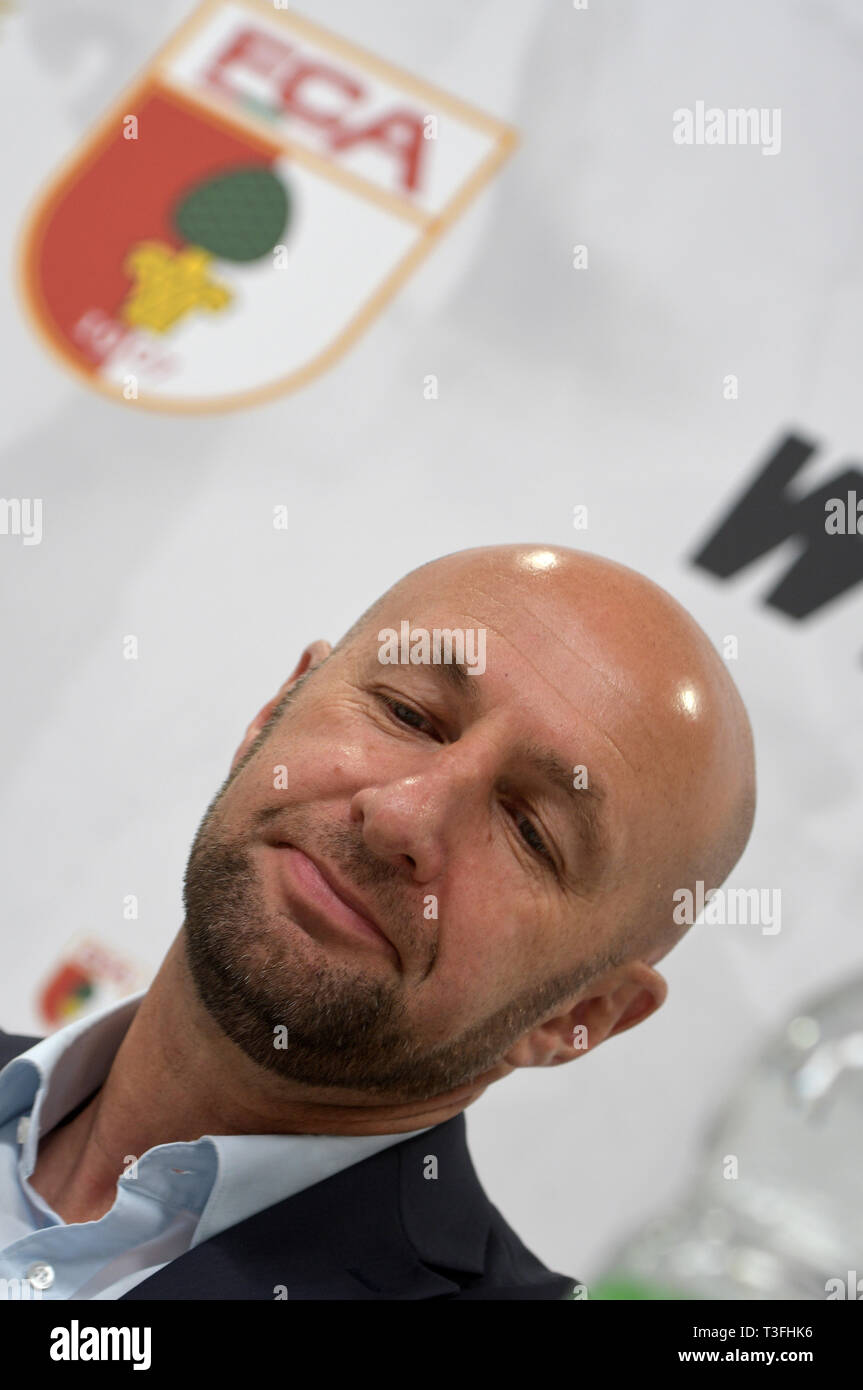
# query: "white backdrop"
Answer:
x=603 y=386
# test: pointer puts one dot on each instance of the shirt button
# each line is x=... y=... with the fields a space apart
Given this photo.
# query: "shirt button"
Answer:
x=41 y=1276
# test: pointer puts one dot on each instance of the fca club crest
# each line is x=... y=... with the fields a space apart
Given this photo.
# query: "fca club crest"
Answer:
x=246 y=209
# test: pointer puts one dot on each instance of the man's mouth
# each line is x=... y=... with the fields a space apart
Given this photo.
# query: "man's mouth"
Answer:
x=322 y=906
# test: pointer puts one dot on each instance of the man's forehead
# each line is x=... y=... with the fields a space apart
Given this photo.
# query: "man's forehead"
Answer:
x=558 y=622
x=503 y=600
x=548 y=651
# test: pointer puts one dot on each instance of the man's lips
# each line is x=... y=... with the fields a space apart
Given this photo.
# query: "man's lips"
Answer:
x=322 y=906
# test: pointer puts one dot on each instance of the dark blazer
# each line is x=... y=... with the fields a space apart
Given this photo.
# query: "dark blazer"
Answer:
x=377 y=1230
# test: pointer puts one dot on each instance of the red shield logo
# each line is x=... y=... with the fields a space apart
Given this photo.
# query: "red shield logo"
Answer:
x=245 y=210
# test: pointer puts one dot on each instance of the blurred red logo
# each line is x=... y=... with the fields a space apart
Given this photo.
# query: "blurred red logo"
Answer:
x=245 y=210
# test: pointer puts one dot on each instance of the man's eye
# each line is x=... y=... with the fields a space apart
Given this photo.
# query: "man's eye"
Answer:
x=406 y=714
x=532 y=837
x=410 y=718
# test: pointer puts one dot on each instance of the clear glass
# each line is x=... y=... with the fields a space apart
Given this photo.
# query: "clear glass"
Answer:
x=776 y=1210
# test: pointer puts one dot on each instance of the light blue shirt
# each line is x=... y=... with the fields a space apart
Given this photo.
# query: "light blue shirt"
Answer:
x=181 y=1195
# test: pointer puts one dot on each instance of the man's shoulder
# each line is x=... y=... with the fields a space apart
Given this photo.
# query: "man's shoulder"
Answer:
x=455 y=1227
x=411 y=1221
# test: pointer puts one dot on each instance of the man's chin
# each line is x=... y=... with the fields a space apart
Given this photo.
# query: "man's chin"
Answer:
x=281 y=998
x=298 y=1007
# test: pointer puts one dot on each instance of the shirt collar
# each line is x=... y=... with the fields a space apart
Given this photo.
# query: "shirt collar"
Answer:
x=58 y=1072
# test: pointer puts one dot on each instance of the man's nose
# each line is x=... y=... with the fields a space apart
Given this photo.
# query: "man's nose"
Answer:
x=416 y=820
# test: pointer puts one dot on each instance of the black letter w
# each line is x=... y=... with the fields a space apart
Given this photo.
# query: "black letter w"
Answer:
x=765 y=516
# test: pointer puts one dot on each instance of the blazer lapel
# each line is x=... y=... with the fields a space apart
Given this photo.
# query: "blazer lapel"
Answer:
x=11 y=1044
x=377 y=1230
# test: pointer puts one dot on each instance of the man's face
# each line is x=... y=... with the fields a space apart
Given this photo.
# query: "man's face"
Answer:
x=446 y=811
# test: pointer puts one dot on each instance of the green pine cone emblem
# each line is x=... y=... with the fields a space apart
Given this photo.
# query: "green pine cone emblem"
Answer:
x=237 y=216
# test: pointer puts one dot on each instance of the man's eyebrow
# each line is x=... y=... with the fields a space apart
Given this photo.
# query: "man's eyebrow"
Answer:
x=456 y=674
x=587 y=801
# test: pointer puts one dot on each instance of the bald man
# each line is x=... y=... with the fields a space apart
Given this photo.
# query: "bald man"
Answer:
x=419 y=875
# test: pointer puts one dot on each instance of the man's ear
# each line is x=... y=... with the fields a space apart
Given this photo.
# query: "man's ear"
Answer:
x=617 y=1000
x=312 y=656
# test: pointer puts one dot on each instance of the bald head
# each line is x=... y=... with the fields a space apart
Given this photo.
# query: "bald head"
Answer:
x=651 y=681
